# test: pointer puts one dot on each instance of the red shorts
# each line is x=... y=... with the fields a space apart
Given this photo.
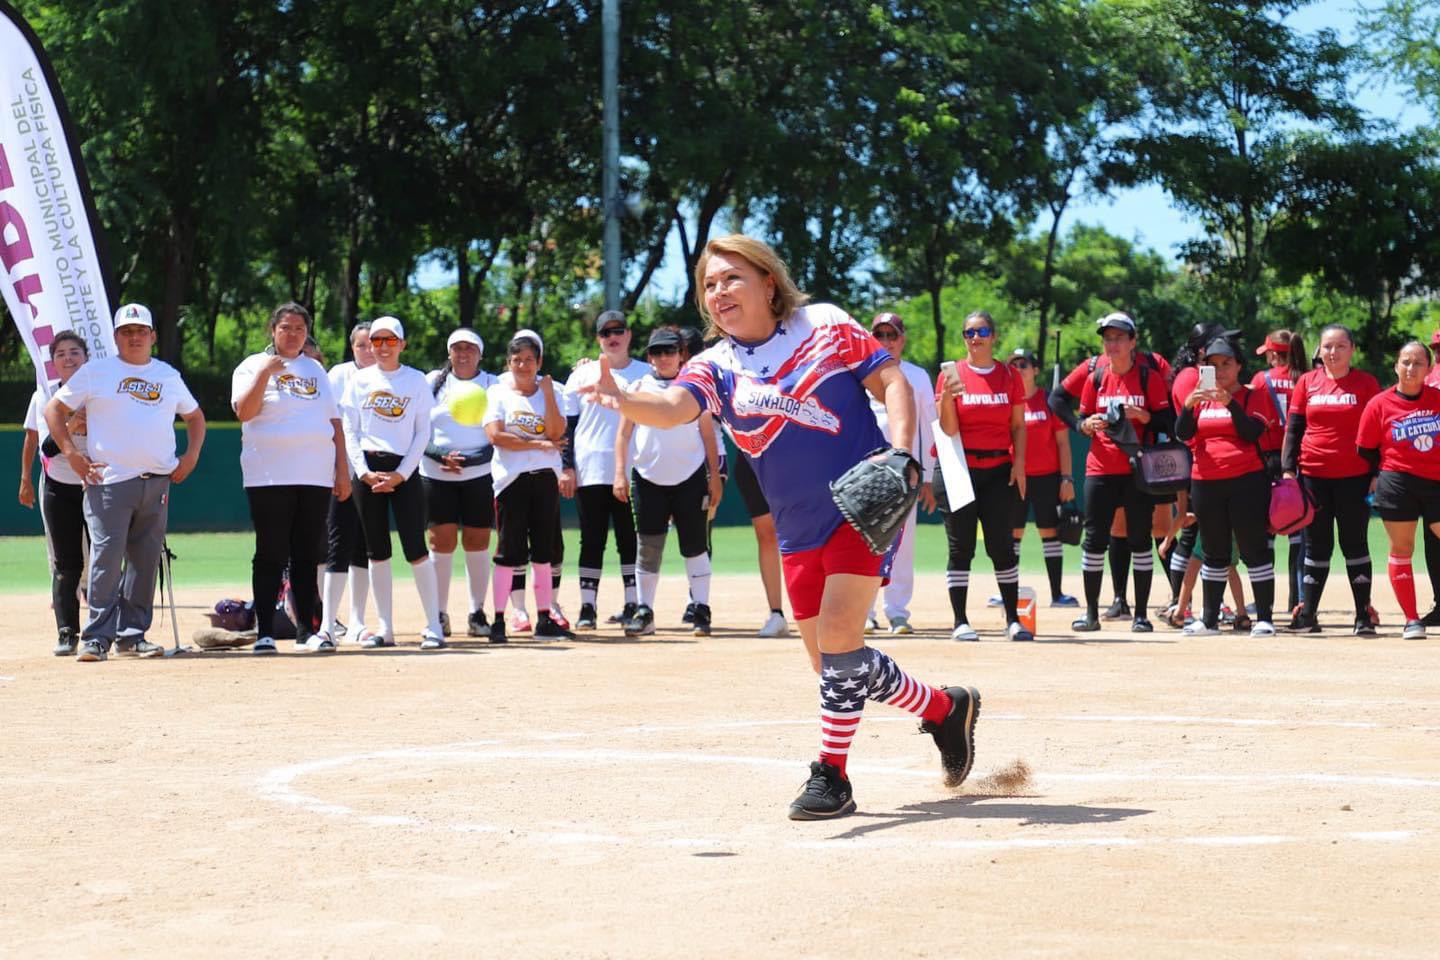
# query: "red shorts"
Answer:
x=845 y=552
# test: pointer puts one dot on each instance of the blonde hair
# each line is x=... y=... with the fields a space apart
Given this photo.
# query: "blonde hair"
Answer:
x=787 y=297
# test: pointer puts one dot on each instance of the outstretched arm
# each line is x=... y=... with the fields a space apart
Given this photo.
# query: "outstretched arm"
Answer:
x=669 y=408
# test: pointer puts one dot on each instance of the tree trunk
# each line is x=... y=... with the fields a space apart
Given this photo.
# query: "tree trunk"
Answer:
x=1047 y=278
x=350 y=279
x=179 y=265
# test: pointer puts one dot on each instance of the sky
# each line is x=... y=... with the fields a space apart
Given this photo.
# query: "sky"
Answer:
x=1143 y=214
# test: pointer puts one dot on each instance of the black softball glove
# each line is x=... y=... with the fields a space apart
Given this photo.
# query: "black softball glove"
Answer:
x=876 y=495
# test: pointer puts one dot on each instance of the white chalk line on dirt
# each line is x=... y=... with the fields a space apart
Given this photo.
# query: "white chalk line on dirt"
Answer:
x=279 y=785
x=1159 y=719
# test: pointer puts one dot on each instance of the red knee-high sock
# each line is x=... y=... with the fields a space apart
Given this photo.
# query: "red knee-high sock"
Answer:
x=1402 y=581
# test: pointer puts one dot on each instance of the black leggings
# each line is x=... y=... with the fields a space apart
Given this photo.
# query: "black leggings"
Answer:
x=1235 y=509
x=1338 y=503
x=289 y=523
x=63 y=505
x=993 y=509
x=1104 y=495
x=527 y=518
x=655 y=504
x=406 y=502
x=346 y=538
x=598 y=510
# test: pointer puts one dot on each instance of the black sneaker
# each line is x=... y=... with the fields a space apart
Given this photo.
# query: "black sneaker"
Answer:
x=1141 y=625
x=623 y=617
x=497 y=629
x=701 y=620
x=444 y=623
x=65 y=643
x=689 y=616
x=587 y=619
x=547 y=629
x=641 y=622
x=1119 y=610
x=138 y=648
x=1303 y=622
x=1363 y=626
x=1432 y=619
x=825 y=795
x=955 y=735
x=1086 y=624
x=477 y=625
x=91 y=651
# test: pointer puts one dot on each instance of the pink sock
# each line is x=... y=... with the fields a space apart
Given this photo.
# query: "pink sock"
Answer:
x=1402 y=581
x=544 y=589
x=500 y=588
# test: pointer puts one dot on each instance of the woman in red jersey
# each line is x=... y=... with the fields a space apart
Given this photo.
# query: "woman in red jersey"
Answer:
x=1142 y=397
x=1048 y=477
x=1229 y=488
x=1284 y=354
x=987 y=409
x=1398 y=433
x=1320 y=447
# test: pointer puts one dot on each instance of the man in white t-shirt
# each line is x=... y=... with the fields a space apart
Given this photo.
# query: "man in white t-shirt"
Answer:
x=889 y=329
x=592 y=428
x=130 y=403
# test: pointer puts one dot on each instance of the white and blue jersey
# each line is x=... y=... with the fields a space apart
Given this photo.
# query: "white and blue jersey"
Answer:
x=795 y=405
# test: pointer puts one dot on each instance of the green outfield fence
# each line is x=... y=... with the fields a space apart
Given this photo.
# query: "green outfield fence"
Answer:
x=214 y=499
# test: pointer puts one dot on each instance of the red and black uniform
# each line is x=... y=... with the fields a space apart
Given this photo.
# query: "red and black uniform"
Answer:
x=1277 y=384
x=1044 y=432
x=984 y=412
x=1109 y=484
x=1398 y=432
x=1324 y=420
x=1230 y=493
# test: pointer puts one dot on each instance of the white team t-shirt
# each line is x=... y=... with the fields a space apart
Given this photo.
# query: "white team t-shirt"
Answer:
x=922 y=448
x=387 y=412
x=595 y=432
x=130 y=414
x=668 y=456
x=56 y=468
x=524 y=417
x=291 y=440
x=446 y=434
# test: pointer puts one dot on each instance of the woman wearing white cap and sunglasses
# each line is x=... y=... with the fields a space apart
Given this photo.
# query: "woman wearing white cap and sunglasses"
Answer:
x=455 y=471
x=387 y=427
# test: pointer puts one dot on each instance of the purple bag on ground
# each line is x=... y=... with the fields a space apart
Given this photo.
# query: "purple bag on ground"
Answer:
x=1291 y=508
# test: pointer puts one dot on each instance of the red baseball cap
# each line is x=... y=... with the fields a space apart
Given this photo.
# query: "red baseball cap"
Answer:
x=1269 y=345
x=890 y=319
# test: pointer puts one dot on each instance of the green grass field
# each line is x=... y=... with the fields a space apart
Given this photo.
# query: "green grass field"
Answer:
x=223 y=559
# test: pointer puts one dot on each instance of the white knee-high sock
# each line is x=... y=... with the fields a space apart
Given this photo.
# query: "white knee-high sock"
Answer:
x=382 y=580
x=477 y=575
x=648 y=583
x=359 y=578
x=444 y=564
x=697 y=568
x=425 y=577
x=330 y=600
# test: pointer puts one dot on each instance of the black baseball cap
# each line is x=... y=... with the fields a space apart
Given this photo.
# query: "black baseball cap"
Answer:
x=665 y=337
x=608 y=317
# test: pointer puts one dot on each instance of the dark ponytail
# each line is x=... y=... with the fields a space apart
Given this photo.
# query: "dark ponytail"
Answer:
x=440 y=380
x=1295 y=356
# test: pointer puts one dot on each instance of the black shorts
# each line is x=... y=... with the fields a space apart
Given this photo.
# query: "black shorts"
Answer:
x=656 y=505
x=470 y=503
x=1043 y=494
x=745 y=479
x=1404 y=496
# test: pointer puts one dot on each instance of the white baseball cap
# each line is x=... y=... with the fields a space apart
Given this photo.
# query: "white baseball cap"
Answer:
x=530 y=335
x=1120 y=320
x=387 y=325
x=466 y=335
x=134 y=314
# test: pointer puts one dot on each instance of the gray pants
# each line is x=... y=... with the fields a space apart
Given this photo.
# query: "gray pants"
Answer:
x=127 y=526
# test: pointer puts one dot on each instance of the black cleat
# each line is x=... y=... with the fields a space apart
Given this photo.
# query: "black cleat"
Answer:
x=955 y=735
x=444 y=623
x=689 y=616
x=1432 y=619
x=1303 y=622
x=1119 y=610
x=547 y=629
x=1086 y=624
x=641 y=622
x=91 y=651
x=1363 y=626
x=826 y=795
x=497 y=629
x=1141 y=625
x=587 y=618
x=65 y=643
x=623 y=617
x=476 y=625
x=701 y=620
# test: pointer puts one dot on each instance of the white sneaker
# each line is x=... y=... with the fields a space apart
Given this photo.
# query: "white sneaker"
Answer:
x=318 y=643
x=1262 y=628
x=1018 y=633
x=775 y=626
x=264 y=647
x=357 y=634
x=430 y=640
x=1414 y=630
x=964 y=632
x=995 y=601
x=1197 y=628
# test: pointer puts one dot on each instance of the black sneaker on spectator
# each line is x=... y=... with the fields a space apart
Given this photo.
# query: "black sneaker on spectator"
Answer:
x=1119 y=610
x=547 y=629
x=701 y=620
x=641 y=622
x=476 y=625
x=91 y=651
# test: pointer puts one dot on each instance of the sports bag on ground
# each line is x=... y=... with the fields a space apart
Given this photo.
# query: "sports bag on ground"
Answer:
x=1291 y=508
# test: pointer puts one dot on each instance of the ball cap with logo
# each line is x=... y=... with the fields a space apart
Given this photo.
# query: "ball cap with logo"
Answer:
x=609 y=317
x=387 y=326
x=134 y=315
x=888 y=319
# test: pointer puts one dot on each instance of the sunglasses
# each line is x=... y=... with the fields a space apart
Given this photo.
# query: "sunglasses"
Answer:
x=613 y=332
x=376 y=341
x=979 y=332
x=1020 y=364
x=662 y=351
x=886 y=335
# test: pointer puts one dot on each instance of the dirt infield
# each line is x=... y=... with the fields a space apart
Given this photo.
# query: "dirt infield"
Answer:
x=609 y=798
